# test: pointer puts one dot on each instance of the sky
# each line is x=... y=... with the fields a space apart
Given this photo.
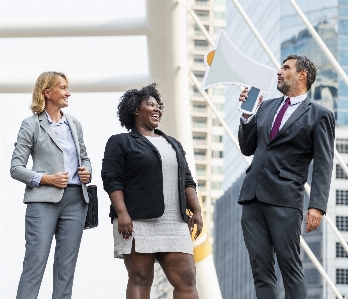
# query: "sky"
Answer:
x=98 y=274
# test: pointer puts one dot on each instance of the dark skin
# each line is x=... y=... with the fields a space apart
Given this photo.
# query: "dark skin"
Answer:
x=178 y=267
x=297 y=82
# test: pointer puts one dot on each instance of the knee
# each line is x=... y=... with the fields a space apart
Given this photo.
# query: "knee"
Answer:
x=186 y=278
x=35 y=259
x=189 y=278
x=141 y=278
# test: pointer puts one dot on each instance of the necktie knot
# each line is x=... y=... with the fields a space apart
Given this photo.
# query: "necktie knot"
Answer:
x=279 y=118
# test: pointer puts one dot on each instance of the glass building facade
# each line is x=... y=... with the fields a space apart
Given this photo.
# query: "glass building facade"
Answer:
x=230 y=255
x=330 y=19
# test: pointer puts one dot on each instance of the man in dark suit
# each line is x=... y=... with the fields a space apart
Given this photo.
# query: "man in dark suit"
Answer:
x=284 y=136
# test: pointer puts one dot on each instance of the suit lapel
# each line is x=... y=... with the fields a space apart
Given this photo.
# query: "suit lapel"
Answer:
x=45 y=125
x=74 y=134
x=145 y=142
x=304 y=106
x=139 y=138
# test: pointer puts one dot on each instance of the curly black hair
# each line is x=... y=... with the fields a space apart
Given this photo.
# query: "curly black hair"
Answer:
x=130 y=102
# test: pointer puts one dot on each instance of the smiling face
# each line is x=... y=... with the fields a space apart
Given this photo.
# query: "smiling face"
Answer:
x=57 y=97
x=148 y=115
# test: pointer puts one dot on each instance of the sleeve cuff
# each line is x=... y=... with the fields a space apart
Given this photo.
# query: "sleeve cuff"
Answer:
x=113 y=187
x=246 y=121
x=35 y=182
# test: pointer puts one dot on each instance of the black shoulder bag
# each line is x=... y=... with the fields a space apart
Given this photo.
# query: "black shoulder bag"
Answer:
x=92 y=212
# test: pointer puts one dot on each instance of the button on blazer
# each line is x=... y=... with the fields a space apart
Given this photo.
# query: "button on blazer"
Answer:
x=133 y=164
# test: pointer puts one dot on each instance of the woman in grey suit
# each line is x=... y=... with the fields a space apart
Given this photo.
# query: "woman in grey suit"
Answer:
x=55 y=194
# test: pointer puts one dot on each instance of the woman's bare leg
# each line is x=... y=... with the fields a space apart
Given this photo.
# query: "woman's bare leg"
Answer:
x=180 y=270
x=140 y=267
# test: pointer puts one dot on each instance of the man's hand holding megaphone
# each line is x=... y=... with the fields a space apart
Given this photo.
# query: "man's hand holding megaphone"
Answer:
x=243 y=97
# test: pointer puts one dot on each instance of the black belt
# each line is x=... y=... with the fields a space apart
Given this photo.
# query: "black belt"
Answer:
x=74 y=185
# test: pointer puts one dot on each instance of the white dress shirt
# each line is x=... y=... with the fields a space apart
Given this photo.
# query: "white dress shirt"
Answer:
x=294 y=103
x=66 y=142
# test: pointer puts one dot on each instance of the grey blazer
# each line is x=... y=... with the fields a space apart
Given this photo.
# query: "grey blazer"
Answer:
x=280 y=167
x=37 y=138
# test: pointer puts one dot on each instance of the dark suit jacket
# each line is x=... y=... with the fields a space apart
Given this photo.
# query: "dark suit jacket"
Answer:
x=280 y=167
x=133 y=164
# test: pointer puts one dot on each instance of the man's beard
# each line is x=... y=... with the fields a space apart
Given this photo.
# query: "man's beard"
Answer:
x=283 y=87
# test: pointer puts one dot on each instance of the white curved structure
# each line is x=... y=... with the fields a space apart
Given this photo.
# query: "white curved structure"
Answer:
x=77 y=27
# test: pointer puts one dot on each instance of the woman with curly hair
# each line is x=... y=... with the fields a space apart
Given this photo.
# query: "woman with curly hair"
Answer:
x=55 y=193
x=150 y=187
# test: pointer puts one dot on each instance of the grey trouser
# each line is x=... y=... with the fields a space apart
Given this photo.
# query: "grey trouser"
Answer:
x=268 y=229
x=65 y=220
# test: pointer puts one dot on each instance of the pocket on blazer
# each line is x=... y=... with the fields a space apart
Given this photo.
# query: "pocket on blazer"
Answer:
x=303 y=126
x=303 y=132
x=291 y=176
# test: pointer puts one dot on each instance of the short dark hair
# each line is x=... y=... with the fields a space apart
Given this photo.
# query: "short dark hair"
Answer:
x=130 y=102
x=304 y=64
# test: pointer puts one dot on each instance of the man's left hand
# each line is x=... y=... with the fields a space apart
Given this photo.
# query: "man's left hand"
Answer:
x=313 y=219
x=84 y=174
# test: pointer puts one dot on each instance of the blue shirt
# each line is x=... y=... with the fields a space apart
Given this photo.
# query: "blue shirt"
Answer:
x=67 y=144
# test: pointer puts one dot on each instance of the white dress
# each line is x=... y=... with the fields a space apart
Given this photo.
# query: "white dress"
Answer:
x=168 y=233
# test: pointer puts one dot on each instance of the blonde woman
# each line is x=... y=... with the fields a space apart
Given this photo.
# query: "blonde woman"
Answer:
x=55 y=193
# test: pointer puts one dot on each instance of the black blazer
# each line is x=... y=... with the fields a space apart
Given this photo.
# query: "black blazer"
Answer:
x=280 y=167
x=133 y=164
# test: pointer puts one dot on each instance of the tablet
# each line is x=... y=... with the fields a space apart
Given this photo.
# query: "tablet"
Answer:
x=251 y=103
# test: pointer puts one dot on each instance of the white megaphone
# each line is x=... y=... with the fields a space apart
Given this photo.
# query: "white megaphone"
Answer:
x=228 y=65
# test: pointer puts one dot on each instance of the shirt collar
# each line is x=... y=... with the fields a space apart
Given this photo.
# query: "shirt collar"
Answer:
x=61 y=121
x=296 y=100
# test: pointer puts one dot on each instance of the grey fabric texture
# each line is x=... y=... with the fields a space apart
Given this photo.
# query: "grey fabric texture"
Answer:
x=262 y=224
x=43 y=220
x=37 y=138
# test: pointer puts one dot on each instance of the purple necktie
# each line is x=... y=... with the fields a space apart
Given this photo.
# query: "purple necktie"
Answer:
x=278 y=120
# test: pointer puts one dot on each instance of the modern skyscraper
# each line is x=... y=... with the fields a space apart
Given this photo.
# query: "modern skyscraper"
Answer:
x=206 y=130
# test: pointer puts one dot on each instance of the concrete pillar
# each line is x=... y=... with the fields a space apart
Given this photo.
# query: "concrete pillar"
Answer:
x=167 y=39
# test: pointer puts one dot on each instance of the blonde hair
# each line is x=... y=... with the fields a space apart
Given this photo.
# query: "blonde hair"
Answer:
x=46 y=80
